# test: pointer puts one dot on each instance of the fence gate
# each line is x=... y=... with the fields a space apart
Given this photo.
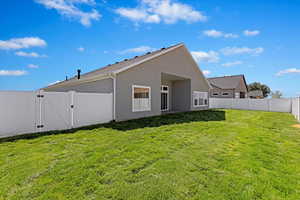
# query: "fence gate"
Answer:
x=29 y=112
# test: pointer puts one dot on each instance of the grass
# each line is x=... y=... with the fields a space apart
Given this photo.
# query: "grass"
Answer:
x=224 y=154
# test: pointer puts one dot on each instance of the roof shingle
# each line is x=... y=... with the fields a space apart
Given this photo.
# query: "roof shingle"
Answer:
x=226 y=82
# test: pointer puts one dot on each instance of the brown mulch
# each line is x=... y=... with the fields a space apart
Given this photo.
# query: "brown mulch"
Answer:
x=296 y=125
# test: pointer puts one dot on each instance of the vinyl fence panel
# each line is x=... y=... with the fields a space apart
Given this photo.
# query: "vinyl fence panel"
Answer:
x=220 y=103
x=18 y=113
x=280 y=105
x=55 y=111
x=240 y=104
x=29 y=112
x=258 y=104
x=92 y=108
x=273 y=105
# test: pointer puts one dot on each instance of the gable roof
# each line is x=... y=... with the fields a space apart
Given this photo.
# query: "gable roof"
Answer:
x=117 y=67
x=227 y=82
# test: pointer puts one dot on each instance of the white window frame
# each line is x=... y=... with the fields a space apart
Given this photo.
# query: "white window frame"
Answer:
x=167 y=92
x=132 y=100
x=198 y=92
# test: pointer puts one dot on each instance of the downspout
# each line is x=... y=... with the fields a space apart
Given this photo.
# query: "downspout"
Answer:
x=113 y=77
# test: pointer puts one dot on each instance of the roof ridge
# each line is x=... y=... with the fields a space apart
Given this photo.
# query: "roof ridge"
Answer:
x=226 y=76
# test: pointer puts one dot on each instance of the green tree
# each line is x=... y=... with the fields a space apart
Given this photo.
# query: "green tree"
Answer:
x=259 y=86
x=277 y=94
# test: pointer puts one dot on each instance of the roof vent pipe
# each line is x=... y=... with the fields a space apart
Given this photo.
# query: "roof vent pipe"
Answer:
x=78 y=73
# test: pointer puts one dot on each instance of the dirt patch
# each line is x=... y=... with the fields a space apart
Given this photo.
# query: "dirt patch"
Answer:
x=296 y=125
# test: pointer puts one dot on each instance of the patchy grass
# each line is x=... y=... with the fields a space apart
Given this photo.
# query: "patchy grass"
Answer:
x=225 y=154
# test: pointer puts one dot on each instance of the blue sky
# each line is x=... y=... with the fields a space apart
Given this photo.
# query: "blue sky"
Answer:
x=42 y=41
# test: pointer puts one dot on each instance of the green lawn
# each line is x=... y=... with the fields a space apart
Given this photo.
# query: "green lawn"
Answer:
x=222 y=154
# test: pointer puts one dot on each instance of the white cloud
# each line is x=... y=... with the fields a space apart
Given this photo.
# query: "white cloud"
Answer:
x=22 y=43
x=217 y=34
x=70 y=8
x=141 y=49
x=251 y=33
x=32 y=66
x=229 y=64
x=230 y=35
x=12 y=72
x=241 y=50
x=81 y=49
x=206 y=72
x=288 y=71
x=213 y=33
x=156 y=11
x=210 y=56
x=31 y=54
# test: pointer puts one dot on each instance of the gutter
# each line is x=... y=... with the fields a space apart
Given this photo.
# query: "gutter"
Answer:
x=73 y=82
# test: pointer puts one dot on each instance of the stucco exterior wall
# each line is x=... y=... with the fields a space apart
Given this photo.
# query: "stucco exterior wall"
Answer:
x=181 y=98
x=177 y=62
x=100 y=86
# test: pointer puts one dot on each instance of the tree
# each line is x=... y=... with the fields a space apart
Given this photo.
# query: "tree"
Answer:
x=259 y=86
x=277 y=94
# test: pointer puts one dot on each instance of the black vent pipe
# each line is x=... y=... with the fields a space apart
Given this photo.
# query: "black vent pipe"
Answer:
x=78 y=73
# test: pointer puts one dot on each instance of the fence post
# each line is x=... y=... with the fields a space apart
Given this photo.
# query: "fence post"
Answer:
x=72 y=93
x=40 y=96
x=298 y=109
x=268 y=100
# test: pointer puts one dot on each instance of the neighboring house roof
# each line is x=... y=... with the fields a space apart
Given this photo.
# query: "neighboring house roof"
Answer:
x=226 y=82
x=113 y=69
x=256 y=93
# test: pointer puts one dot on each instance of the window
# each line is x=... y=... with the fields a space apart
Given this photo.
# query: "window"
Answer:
x=164 y=88
x=225 y=94
x=200 y=98
x=237 y=95
x=141 y=98
x=215 y=94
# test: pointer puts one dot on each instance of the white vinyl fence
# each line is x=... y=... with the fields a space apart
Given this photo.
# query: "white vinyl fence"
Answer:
x=296 y=107
x=30 y=112
x=291 y=105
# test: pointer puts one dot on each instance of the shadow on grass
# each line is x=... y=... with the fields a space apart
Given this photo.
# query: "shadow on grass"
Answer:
x=156 y=121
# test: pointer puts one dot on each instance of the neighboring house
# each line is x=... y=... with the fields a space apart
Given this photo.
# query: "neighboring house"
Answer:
x=166 y=80
x=228 y=87
x=256 y=94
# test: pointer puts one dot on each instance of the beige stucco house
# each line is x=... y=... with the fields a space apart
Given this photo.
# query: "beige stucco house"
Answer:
x=228 y=87
x=166 y=80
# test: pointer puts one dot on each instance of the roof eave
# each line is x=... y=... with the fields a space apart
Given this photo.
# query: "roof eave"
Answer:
x=80 y=81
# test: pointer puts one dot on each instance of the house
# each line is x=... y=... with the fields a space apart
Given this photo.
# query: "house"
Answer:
x=256 y=94
x=228 y=87
x=166 y=80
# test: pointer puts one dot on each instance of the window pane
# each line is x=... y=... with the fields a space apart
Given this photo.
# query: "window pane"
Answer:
x=196 y=102
x=141 y=92
x=201 y=102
